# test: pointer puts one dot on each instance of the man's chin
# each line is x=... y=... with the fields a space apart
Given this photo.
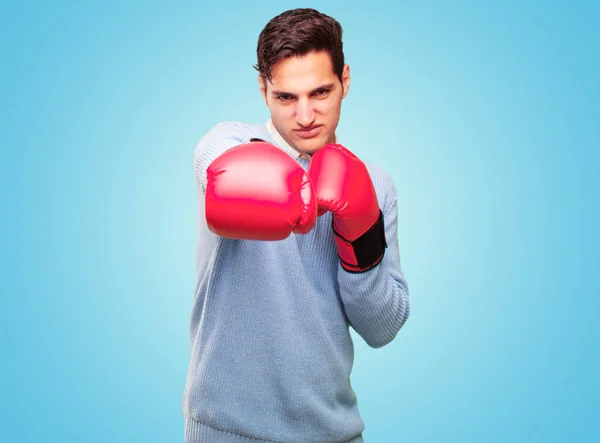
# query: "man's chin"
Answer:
x=311 y=146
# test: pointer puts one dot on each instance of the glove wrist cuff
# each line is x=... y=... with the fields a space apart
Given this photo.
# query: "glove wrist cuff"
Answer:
x=366 y=251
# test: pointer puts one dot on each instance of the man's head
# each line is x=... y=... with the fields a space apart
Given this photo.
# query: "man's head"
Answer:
x=302 y=76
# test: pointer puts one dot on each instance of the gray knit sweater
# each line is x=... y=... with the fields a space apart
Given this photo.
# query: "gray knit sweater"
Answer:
x=271 y=351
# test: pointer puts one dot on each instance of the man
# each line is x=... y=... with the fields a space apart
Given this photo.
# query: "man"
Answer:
x=297 y=241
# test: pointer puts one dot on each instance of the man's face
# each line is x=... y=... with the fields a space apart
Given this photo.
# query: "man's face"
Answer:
x=305 y=100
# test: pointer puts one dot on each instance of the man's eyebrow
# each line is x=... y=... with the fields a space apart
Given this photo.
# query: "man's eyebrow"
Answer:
x=327 y=86
x=278 y=92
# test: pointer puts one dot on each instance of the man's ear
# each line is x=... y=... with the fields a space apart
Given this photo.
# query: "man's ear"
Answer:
x=262 y=84
x=345 y=80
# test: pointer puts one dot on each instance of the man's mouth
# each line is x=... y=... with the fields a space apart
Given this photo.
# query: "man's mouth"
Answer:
x=309 y=132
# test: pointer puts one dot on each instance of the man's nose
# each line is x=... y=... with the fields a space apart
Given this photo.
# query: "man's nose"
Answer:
x=305 y=113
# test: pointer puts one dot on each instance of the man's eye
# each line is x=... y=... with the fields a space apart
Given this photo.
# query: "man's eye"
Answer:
x=321 y=92
x=284 y=97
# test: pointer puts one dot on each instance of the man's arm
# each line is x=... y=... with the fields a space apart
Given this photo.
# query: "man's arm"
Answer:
x=376 y=301
x=373 y=288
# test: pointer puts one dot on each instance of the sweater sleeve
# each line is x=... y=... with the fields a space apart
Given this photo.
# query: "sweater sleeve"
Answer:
x=376 y=301
x=215 y=142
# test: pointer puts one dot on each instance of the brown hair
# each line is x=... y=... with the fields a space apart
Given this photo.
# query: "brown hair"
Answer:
x=297 y=32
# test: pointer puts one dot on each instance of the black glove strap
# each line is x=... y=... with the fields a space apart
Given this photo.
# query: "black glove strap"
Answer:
x=369 y=248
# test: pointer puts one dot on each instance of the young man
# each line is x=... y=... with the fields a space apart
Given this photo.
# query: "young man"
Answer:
x=297 y=241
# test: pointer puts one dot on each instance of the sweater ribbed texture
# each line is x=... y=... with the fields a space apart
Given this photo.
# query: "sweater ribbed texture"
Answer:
x=271 y=351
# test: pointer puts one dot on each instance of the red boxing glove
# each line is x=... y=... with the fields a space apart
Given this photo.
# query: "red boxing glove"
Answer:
x=344 y=187
x=256 y=191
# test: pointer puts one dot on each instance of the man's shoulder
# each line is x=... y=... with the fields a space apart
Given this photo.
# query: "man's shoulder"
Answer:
x=227 y=134
x=379 y=174
x=236 y=129
x=383 y=184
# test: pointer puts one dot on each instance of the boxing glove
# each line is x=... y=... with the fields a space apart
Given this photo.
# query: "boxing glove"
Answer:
x=255 y=191
x=344 y=187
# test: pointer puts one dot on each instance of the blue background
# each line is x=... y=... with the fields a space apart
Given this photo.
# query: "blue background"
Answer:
x=486 y=115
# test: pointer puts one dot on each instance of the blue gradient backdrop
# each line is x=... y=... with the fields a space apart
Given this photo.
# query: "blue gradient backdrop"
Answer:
x=486 y=115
